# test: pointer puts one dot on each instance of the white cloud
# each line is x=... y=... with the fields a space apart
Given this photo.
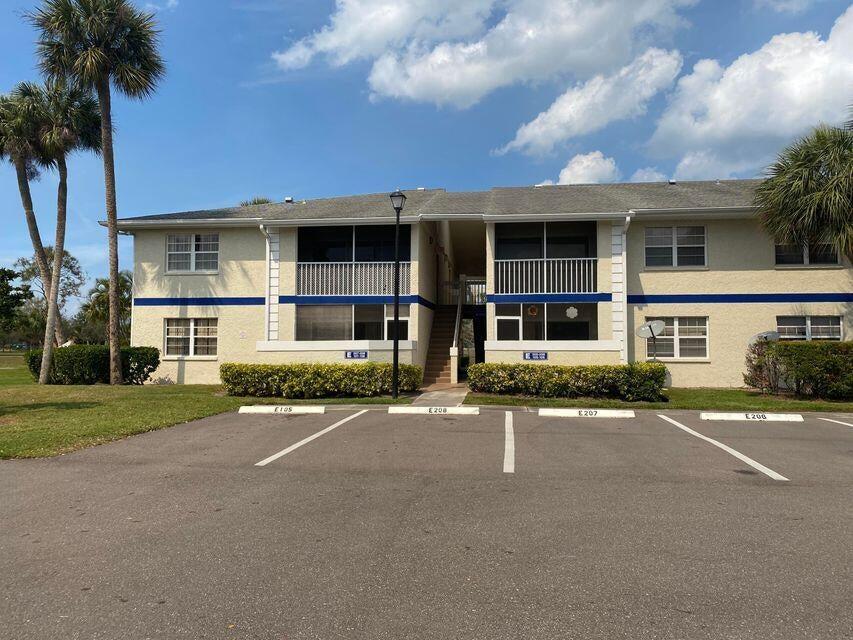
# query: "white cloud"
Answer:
x=593 y=105
x=648 y=174
x=360 y=29
x=458 y=51
x=168 y=5
x=786 y=6
x=728 y=121
x=588 y=168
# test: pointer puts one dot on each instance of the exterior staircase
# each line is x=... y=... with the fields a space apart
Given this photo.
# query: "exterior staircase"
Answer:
x=437 y=369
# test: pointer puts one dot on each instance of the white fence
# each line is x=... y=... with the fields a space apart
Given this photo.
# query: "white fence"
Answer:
x=350 y=278
x=554 y=275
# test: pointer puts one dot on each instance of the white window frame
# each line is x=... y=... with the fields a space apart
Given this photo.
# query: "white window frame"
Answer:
x=674 y=246
x=387 y=314
x=192 y=253
x=806 y=259
x=676 y=338
x=809 y=337
x=192 y=337
x=520 y=319
x=517 y=318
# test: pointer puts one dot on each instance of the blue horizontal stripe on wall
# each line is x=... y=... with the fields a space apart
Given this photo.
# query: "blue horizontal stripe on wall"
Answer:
x=183 y=302
x=548 y=297
x=410 y=299
x=734 y=298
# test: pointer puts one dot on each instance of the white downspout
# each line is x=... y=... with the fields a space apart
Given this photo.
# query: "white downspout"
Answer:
x=625 y=329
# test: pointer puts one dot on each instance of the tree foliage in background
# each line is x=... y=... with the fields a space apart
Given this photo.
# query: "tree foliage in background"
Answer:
x=807 y=196
x=71 y=280
x=96 y=309
x=102 y=44
x=256 y=200
x=12 y=297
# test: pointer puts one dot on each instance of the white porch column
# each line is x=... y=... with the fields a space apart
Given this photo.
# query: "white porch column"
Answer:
x=273 y=280
x=617 y=287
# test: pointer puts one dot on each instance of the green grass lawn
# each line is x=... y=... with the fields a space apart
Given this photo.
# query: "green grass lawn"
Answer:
x=38 y=421
x=695 y=399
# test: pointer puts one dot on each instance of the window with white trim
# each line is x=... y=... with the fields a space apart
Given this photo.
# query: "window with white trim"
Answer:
x=818 y=253
x=551 y=321
x=675 y=247
x=349 y=322
x=683 y=337
x=192 y=252
x=809 y=327
x=191 y=336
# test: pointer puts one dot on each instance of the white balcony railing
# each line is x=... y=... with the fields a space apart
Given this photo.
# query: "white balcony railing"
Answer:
x=475 y=291
x=350 y=278
x=552 y=275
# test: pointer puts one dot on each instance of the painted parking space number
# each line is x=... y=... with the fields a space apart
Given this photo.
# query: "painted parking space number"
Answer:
x=438 y=410
x=281 y=409
x=587 y=413
x=756 y=416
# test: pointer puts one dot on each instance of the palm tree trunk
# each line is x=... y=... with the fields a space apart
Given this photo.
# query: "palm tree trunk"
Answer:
x=112 y=226
x=58 y=253
x=35 y=236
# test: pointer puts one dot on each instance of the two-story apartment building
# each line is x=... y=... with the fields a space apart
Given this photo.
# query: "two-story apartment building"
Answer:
x=553 y=274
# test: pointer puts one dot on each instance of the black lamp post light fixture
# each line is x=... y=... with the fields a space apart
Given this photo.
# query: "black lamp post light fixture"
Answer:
x=398 y=200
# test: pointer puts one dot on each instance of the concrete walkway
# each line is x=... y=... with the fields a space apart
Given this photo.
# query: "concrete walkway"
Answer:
x=443 y=395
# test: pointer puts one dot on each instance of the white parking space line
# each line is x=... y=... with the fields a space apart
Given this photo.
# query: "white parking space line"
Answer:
x=294 y=447
x=509 y=444
x=586 y=413
x=846 y=424
x=737 y=454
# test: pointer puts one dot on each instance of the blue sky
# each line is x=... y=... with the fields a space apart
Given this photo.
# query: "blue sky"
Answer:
x=312 y=98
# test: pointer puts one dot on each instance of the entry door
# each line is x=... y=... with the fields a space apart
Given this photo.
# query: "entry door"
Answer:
x=479 y=338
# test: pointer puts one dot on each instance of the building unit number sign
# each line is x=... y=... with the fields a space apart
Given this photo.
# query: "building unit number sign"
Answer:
x=355 y=355
x=535 y=355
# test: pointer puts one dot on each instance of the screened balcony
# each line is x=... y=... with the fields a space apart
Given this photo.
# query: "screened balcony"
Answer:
x=356 y=261
x=552 y=257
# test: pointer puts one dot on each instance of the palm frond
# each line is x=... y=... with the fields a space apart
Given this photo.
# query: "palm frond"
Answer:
x=95 y=40
x=807 y=196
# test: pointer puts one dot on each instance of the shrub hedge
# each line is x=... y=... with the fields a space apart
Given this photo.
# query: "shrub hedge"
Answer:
x=633 y=382
x=316 y=380
x=818 y=368
x=90 y=364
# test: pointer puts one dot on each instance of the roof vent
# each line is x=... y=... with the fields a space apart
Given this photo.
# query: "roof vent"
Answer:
x=289 y=199
x=672 y=181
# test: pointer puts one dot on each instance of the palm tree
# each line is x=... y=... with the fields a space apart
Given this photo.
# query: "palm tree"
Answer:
x=102 y=44
x=96 y=309
x=807 y=196
x=70 y=121
x=19 y=143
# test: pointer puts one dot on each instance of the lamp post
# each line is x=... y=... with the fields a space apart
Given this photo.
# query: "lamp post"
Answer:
x=398 y=199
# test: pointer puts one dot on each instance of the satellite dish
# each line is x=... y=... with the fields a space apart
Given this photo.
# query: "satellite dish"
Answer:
x=765 y=336
x=651 y=329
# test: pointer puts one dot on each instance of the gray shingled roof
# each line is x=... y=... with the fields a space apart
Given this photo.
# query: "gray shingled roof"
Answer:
x=581 y=199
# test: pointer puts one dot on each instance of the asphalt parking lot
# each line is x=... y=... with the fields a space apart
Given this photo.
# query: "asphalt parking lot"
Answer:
x=360 y=524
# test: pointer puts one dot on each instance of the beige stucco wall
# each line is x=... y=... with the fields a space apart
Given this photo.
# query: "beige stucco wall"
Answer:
x=242 y=266
x=741 y=259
